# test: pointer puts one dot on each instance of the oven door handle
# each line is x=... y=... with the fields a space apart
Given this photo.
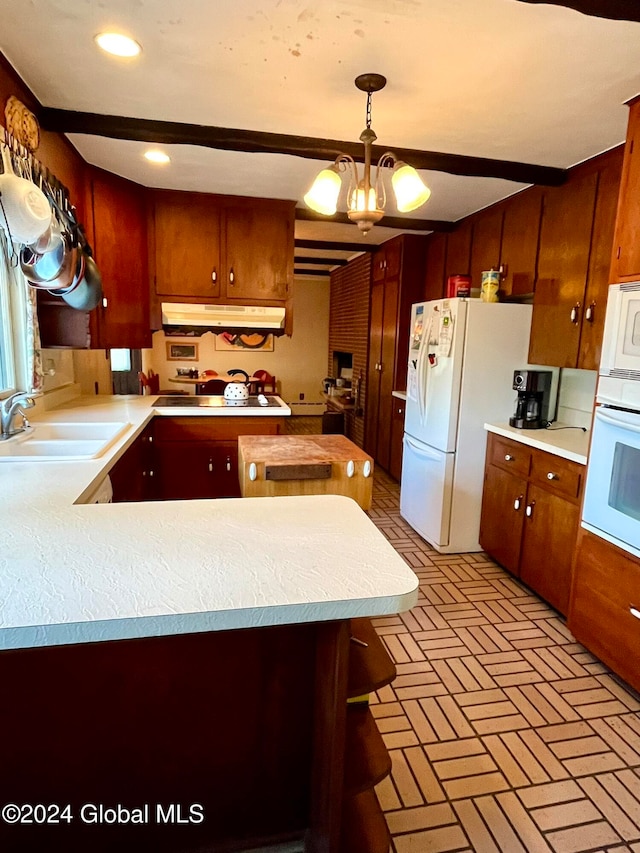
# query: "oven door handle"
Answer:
x=618 y=422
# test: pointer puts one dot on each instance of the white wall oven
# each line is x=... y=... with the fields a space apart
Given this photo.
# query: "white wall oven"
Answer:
x=612 y=496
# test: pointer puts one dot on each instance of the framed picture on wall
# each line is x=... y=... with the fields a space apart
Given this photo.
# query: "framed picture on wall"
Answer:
x=182 y=352
x=228 y=342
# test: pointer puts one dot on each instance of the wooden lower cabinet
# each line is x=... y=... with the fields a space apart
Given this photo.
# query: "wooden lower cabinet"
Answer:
x=133 y=475
x=197 y=457
x=604 y=613
x=397 y=434
x=530 y=515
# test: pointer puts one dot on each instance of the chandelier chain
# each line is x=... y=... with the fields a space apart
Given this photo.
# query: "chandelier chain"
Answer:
x=368 y=110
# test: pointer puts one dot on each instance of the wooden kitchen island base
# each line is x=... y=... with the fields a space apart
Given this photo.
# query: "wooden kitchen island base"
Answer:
x=304 y=465
x=214 y=741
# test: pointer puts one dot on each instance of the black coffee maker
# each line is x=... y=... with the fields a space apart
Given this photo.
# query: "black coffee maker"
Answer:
x=532 y=402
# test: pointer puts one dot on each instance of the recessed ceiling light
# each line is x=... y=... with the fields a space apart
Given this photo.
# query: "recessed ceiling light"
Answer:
x=117 y=44
x=155 y=156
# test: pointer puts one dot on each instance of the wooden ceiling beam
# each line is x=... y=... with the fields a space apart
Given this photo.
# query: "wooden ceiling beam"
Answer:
x=297 y=271
x=617 y=10
x=336 y=262
x=253 y=141
x=334 y=245
x=403 y=223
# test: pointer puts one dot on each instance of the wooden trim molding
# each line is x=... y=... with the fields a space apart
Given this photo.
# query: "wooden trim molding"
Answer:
x=254 y=141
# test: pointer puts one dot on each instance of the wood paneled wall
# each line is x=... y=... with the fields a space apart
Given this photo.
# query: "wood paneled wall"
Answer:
x=349 y=329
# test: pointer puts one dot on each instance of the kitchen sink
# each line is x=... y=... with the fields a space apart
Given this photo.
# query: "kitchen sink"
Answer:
x=58 y=442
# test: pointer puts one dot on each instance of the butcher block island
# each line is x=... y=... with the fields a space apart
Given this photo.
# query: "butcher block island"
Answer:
x=272 y=466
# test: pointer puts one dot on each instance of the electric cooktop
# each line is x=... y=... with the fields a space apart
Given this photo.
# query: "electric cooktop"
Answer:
x=216 y=402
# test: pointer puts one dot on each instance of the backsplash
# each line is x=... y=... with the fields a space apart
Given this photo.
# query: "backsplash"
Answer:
x=577 y=392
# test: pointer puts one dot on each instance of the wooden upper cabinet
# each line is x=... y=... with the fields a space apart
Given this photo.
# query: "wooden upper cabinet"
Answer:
x=625 y=261
x=458 y=260
x=598 y=280
x=434 y=287
x=520 y=234
x=563 y=262
x=259 y=250
x=188 y=256
x=222 y=247
x=487 y=240
x=118 y=235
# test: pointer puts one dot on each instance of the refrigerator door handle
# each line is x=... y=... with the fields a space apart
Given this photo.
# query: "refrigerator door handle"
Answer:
x=420 y=451
x=421 y=371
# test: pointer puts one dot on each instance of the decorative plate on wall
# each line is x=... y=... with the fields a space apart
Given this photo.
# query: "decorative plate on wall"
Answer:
x=228 y=341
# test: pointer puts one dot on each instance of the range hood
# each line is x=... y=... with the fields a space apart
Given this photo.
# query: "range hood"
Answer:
x=187 y=318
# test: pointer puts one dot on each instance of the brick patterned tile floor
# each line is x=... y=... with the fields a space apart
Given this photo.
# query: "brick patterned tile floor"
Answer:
x=505 y=734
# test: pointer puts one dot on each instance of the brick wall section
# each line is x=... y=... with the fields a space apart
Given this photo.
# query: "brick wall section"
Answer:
x=349 y=329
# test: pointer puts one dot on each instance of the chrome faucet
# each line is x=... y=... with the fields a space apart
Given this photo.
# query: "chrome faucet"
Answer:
x=9 y=408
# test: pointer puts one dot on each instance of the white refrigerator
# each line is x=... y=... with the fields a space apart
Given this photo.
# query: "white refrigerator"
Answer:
x=462 y=355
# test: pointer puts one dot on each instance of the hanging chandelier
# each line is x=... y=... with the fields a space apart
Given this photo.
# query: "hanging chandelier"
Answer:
x=366 y=199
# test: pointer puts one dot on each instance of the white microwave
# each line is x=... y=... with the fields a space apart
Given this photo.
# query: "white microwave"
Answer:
x=621 y=341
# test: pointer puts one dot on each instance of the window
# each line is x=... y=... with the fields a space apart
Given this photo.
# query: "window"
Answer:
x=13 y=323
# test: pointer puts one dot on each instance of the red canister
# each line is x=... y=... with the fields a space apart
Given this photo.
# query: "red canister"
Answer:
x=458 y=285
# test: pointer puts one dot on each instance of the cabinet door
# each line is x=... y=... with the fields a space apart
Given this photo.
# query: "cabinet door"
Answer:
x=226 y=470
x=565 y=240
x=626 y=253
x=502 y=516
x=459 y=250
x=485 y=249
x=132 y=477
x=373 y=369
x=397 y=433
x=434 y=271
x=598 y=277
x=387 y=377
x=521 y=230
x=548 y=545
x=185 y=470
x=187 y=245
x=120 y=249
x=259 y=252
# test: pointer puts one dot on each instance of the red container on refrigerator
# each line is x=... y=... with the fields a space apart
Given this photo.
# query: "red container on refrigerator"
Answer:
x=458 y=285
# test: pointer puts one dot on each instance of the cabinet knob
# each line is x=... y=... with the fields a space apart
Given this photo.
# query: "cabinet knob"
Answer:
x=105 y=302
x=634 y=611
x=574 y=312
x=366 y=468
x=211 y=465
x=232 y=277
x=214 y=276
x=151 y=473
x=518 y=502
x=253 y=471
x=588 y=314
x=508 y=457
x=529 y=510
x=351 y=468
x=552 y=476
x=228 y=463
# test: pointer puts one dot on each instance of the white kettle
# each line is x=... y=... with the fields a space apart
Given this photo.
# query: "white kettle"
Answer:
x=237 y=391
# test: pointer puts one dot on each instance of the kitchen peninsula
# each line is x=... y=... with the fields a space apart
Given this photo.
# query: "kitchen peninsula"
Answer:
x=191 y=652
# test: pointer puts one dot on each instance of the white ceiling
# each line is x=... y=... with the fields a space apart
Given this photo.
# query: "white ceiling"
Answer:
x=490 y=78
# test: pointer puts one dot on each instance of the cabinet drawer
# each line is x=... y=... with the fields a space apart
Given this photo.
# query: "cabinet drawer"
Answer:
x=559 y=475
x=605 y=594
x=509 y=455
x=215 y=428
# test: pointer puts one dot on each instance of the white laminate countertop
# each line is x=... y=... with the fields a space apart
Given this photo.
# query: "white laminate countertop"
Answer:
x=570 y=443
x=76 y=573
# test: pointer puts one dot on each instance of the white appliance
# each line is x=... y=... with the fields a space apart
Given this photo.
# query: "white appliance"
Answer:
x=611 y=506
x=621 y=339
x=462 y=355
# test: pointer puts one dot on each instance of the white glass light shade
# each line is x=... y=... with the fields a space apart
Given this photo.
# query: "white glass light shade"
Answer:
x=358 y=198
x=409 y=189
x=323 y=195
